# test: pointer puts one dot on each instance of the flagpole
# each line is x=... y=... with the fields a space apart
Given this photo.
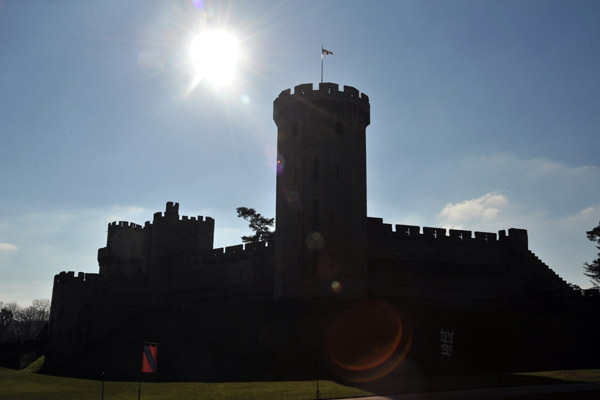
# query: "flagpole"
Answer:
x=321 y=63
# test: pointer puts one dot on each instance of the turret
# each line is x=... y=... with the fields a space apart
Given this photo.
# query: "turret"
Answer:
x=321 y=206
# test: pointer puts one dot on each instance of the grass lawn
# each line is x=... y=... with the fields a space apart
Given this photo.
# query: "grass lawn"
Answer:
x=569 y=376
x=28 y=385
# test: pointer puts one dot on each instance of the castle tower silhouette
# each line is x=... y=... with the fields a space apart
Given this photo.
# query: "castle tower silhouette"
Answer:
x=321 y=205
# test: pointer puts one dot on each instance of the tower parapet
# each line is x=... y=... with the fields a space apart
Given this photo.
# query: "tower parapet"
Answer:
x=327 y=91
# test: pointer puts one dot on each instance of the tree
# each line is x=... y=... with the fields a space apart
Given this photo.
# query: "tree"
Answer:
x=41 y=309
x=7 y=318
x=18 y=323
x=592 y=269
x=32 y=319
x=259 y=224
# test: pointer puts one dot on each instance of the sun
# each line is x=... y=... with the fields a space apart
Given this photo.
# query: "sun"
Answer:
x=214 y=55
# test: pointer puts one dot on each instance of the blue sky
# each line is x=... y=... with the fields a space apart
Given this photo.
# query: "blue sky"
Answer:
x=484 y=116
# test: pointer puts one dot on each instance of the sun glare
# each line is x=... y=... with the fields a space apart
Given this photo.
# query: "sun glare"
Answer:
x=214 y=55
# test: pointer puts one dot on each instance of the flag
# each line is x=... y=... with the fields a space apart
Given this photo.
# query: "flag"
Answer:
x=149 y=364
x=326 y=52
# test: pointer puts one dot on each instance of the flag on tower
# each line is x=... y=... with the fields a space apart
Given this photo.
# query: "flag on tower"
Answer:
x=324 y=53
x=149 y=364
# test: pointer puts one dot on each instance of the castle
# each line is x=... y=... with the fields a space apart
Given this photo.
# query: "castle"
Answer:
x=268 y=310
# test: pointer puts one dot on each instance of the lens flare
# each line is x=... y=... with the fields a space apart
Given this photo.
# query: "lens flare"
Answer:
x=280 y=164
x=336 y=287
x=199 y=4
x=292 y=199
x=368 y=341
x=315 y=241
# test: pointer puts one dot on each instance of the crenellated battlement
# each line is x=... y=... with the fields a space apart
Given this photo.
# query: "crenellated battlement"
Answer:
x=159 y=216
x=84 y=278
x=324 y=98
x=377 y=229
x=172 y=214
x=131 y=249
x=124 y=225
x=240 y=249
x=326 y=90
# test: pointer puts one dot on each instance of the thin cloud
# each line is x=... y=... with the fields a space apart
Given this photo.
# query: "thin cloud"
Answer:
x=7 y=247
x=483 y=208
x=52 y=240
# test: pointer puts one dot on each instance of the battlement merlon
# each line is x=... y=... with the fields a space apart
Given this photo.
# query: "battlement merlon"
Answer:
x=123 y=224
x=172 y=214
x=241 y=249
x=516 y=238
x=81 y=277
x=327 y=90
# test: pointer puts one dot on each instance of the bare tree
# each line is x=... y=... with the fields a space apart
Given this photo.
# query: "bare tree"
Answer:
x=41 y=309
x=7 y=318
x=32 y=319
x=18 y=323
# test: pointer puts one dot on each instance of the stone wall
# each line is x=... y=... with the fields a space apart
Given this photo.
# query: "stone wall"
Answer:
x=429 y=263
x=87 y=307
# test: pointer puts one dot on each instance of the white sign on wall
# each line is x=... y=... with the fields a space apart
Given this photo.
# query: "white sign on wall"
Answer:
x=447 y=341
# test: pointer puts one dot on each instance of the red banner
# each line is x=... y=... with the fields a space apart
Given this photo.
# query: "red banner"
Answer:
x=149 y=363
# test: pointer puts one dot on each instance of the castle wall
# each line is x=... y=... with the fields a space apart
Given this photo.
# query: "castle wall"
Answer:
x=458 y=264
x=235 y=270
x=87 y=307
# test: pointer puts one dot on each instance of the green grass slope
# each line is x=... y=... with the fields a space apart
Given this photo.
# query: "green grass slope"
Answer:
x=27 y=385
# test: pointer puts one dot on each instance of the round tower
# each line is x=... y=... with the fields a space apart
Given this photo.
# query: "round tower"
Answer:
x=321 y=206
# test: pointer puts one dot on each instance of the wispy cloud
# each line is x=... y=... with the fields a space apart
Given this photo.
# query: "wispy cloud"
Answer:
x=470 y=212
x=52 y=240
x=7 y=247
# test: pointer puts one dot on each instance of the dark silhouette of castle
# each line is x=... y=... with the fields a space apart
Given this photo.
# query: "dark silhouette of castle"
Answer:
x=265 y=310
